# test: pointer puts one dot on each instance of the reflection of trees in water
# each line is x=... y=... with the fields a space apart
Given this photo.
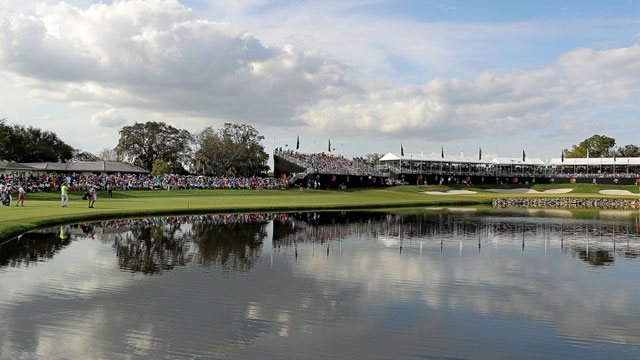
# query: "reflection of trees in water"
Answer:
x=594 y=241
x=233 y=241
x=597 y=257
x=153 y=249
x=32 y=248
x=230 y=246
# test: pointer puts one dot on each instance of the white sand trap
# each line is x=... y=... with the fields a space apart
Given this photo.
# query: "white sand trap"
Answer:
x=530 y=191
x=557 y=191
x=617 y=192
x=449 y=192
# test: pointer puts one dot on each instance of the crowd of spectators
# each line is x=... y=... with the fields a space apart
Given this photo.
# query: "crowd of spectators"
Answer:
x=53 y=182
x=327 y=163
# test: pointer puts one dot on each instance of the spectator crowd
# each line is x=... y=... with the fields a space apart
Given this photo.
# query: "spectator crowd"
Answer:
x=326 y=163
x=121 y=182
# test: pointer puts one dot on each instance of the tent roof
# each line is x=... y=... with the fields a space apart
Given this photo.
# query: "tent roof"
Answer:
x=437 y=158
x=518 y=161
x=87 y=166
x=595 y=161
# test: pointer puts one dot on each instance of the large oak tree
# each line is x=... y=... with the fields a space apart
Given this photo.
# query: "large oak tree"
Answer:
x=596 y=146
x=144 y=143
x=233 y=150
x=29 y=144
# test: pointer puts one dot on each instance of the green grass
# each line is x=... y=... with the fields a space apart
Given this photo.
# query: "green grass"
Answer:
x=43 y=209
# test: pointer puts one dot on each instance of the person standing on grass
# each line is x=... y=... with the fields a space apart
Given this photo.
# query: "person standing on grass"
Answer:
x=64 y=190
x=109 y=190
x=20 y=197
x=92 y=195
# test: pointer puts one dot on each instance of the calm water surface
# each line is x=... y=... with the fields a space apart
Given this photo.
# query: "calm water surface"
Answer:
x=423 y=284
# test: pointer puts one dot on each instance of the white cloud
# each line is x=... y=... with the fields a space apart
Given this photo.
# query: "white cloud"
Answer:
x=158 y=56
x=110 y=118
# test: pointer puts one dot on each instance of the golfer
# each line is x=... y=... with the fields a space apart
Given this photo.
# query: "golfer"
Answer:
x=92 y=196
x=65 y=195
x=20 y=197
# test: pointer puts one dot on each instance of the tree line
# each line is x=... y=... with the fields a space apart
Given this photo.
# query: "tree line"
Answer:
x=601 y=146
x=26 y=144
x=232 y=150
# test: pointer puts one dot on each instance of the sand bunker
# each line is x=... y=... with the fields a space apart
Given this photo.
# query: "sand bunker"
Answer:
x=530 y=191
x=617 y=192
x=449 y=192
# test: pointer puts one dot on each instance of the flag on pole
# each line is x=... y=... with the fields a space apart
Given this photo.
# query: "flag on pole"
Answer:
x=479 y=153
x=329 y=145
x=562 y=156
x=298 y=142
x=442 y=152
x=524 y=156
x=422 y=151
x=401 y=150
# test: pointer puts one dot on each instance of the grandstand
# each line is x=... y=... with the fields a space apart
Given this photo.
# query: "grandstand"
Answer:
x=332 y=170
x=323 y=170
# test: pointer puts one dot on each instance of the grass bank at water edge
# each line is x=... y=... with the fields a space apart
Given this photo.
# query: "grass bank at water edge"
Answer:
x=43 y=209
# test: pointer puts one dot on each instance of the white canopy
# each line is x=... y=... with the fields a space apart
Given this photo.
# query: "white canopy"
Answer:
x=518 y=161
x=434 y=158
x=595 y=161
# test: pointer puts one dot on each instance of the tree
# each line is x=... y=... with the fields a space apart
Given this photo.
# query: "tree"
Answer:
x=6 y=141
x=142 y=144
x=79 y=155
x=160 y=167
x=597 y=145
x=233 y=150
x=29 y=144
x=368 y=159
x=108 y=155
x=629 y=151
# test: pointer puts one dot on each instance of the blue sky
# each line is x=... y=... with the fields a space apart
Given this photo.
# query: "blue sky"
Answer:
x=370 y=74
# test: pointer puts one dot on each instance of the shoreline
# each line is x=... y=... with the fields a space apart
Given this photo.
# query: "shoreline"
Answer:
x=43 y=211
x=11 y=232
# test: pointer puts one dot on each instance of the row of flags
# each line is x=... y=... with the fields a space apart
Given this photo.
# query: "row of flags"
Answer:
x=524 y=155
x=314 y=143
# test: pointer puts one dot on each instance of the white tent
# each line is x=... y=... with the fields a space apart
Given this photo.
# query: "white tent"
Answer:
x=595 y=161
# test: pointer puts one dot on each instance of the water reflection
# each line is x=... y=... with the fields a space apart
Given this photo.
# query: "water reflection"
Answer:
x=33 y=248
x=422 y=284
x=234 y=241
x=594 y=241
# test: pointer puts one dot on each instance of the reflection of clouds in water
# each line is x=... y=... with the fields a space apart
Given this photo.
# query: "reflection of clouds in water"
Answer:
x=360 y=300
x=65 y=278
x=557 y=291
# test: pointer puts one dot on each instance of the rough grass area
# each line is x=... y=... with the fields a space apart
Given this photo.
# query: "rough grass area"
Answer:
x=43 y=209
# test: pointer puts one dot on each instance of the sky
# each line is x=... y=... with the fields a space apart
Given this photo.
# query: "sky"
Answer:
x=371 y=75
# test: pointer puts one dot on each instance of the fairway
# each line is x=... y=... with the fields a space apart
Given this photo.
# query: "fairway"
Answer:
x=43 y=209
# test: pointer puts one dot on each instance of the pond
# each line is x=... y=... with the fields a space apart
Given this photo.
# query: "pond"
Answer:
x=407 y=284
